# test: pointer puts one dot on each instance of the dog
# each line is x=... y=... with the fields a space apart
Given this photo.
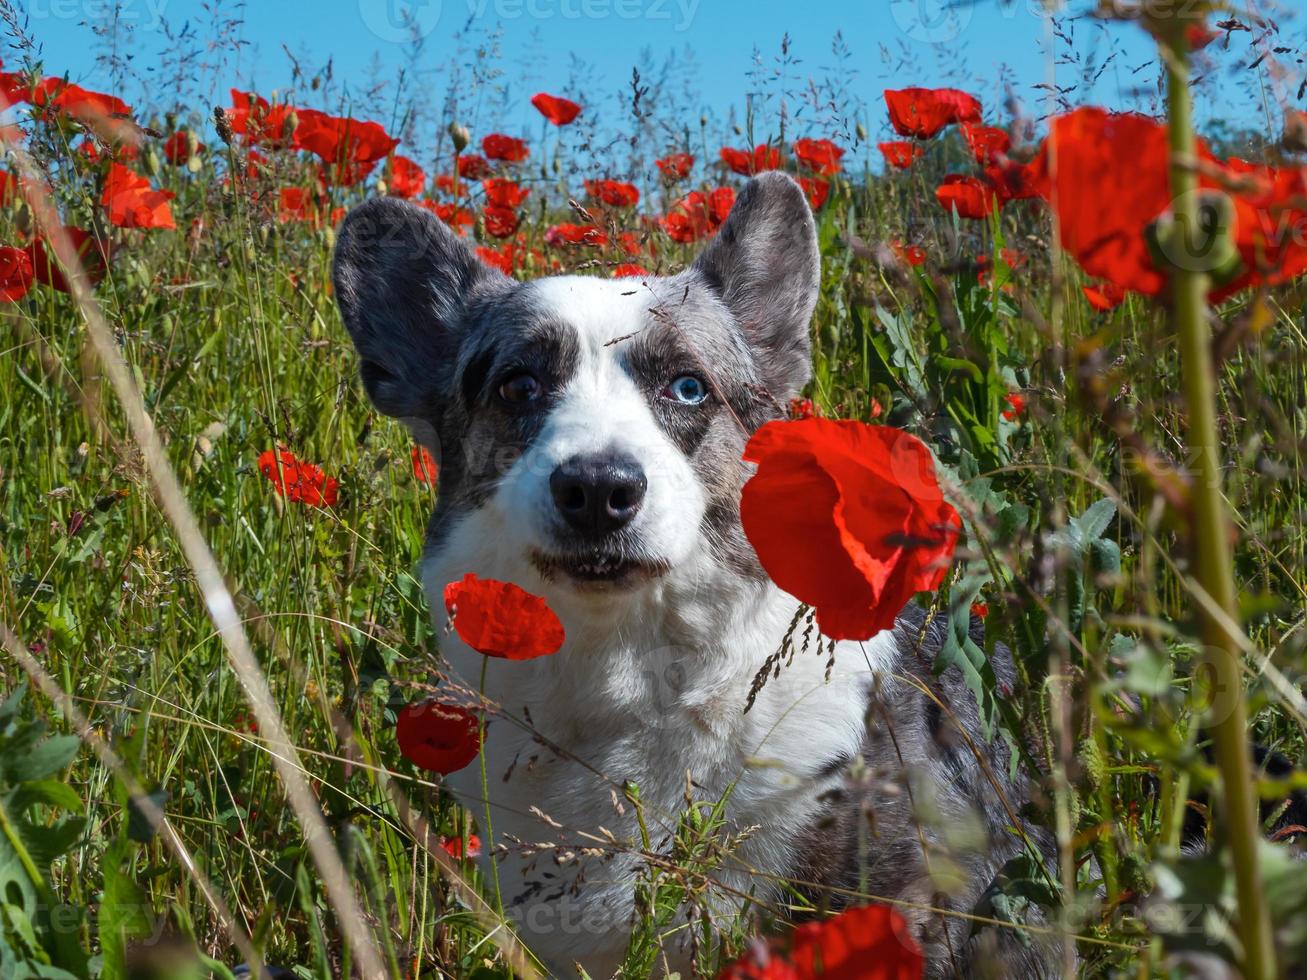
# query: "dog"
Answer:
x=588 y=434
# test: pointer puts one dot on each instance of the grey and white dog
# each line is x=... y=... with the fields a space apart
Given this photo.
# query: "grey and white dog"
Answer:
x=589 y=435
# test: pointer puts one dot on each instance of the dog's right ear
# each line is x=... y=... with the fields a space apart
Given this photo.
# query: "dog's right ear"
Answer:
x=403 y=281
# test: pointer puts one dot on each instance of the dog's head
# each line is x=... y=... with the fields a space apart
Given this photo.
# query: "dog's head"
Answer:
x=588 y=431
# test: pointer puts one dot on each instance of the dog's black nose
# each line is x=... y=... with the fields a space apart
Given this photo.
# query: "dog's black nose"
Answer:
x=598 y=494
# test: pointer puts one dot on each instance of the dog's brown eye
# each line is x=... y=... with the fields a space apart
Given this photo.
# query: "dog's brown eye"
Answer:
x=520 y=389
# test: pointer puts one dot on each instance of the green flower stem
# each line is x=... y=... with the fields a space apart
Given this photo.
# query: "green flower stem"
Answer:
x=1214 y=569
x=485 y=795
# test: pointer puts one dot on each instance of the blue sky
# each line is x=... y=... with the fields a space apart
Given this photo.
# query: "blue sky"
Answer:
x=989 y=47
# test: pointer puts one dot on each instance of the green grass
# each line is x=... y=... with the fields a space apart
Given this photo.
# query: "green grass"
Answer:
x=237 y=347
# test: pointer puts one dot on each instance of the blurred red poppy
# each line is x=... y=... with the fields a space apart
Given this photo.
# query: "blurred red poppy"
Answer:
x=820 y=156
x=676 y=166
x=969 y=196
x=869 y=943
x=473 y=167
x=441 y=738
x=8 y=188
x=297 y=481
x=1013 y=181
x=15 y=87
x=498 y=619
x=297 y=204
x=108 y=116
x=180 y=147
x=1016 y=406
x=259 y=121
x=848 y=518
x=720 y=202
x=630 y=270
x=910 y=254
x=980 y=610
x=1104 y=296
x=90 y=250
x=923 y=112
x=460 y=219
x=556 y=109
x=504 y=193
x=746 y=163
x=901 y=154
x=987 y=144
x=501 y=259
x=16 y=275
x=572 y=234
x=133 y=203
x=614 y=193
x=348 y=148
x=500 y=222
x=424 y=466
x=698 y=215
x=497 y=146
x=1108 y=179
x=406 y=179
x=458 y=847
x=816 y=189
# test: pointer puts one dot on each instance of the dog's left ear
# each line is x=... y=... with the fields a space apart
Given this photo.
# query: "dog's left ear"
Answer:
x=766 y=266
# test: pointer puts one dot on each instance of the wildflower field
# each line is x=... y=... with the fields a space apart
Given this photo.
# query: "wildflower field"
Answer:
x=222 y=740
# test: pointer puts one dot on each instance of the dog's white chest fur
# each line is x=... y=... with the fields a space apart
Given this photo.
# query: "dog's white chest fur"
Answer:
x=653 y=696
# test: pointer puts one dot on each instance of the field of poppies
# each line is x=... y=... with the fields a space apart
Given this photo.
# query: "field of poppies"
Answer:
x=224 y=737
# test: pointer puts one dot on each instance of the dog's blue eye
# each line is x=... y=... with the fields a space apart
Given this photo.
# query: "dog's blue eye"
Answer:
x=688 y=390
x=521 y=388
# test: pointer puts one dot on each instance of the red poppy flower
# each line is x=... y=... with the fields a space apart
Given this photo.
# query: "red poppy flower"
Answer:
x=803 y=408
x=1013 y=181
x=629 y=242
x=630 y=270
x=969 y=196
x=762 y=158
x=260 y=122
x=720 y=202
x=573 y=234
x=923 y=112
x=988 y=144
x=1017 y=401
x=473 y=167
x=297 y=481
x=1108 y=178
x=441 y=738
x=869 y=943
x=90 y=250
x=348 y=148
x=698 y=215
x=676 y=166
x=424 y=466
x=16 y=275
x=820 y=156
x=1104 y=297
x=817 y=191
x=1200 y=36
x=460 y=219
x=500 y=222
x=406 y=179
x=556 y=109
x=459 y=848
x=901 y=154
x=913 y=255
x=497 y=146
x=504 y=193
x=180 y=147
x=133 y=203
x=1270 y=226
x=108 y=116
x=8 y=188
x=614 y=193
x=501 y=259
x=296 y=204
x=498 y=619
x=848 y=518
x=15 y=87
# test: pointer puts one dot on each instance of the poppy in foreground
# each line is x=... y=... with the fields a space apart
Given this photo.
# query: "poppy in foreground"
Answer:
x=869 y=943
x=297 y=481
x=498 y=619
x=90 y=250
x=441 y=738
x=970 y=197
x=923 y=112
x=424 y=466
x=133 y=203
x=15 y=274
x=820 y=156
x=458 y=847
x=555 y=108
x=848 y=518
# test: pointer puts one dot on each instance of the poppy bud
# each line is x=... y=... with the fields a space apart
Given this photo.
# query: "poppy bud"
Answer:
x=151 y=161
x=461 y=136
x=862 y=132
x=1209 y=248
x=381 y=186
x=289 y=127
x=194 y=163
